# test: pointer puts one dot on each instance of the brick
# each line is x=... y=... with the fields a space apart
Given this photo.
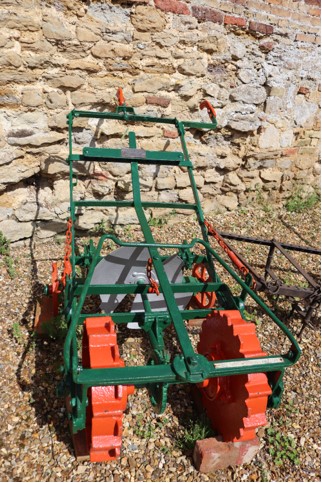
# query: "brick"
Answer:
x=173 y=6
x=211 y=454
x=267 y=46
x=318 y=40
x=305 y=38
x=313 y=2
x=204 y=14
x=239 y=2
x=262 y=28
x=280 y=12
x=303 y=90
x=158 y=101
x=171 y=134
x=231 y=20
x=290 y=152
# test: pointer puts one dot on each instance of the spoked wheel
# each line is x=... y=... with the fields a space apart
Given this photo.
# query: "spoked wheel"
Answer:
x=202 y=300
x=105 y=403
x=235 y=405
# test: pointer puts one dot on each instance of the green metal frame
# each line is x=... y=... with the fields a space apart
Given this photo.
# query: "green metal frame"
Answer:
x=188 y=366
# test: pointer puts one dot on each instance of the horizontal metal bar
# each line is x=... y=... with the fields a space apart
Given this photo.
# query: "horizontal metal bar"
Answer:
x=130 y=203
x=143 y=288
x=165 y=373
x=260 y=241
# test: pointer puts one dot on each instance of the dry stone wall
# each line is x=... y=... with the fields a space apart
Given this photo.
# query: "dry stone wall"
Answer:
x=256 y=61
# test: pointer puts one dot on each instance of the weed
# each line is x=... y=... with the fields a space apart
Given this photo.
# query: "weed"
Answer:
x=10 y=265
x=101 y=228
x=282 y=447
x=157 y=221
x=143 y=429
x=297 y=203
x=252 y=317
x=194 y=431
x=4 y=245
x=16 y=332
x=56 y=328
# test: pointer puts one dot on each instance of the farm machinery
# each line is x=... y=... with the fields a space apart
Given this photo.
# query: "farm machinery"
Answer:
x=237 y=380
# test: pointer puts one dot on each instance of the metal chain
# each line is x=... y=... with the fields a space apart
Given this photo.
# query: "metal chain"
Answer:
x=154 y=288
x=68 y=250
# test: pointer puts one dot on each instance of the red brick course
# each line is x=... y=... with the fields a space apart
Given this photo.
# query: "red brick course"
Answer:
x=158 y=101
x=204 y=14
x=173 y=6
x=168 y=133
x=231 y=20
x=261 y=28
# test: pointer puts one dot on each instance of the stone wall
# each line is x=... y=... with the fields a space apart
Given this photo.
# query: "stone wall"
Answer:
x=256 y=61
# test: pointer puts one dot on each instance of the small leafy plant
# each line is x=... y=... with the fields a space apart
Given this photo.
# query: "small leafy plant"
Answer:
x=7 y=258
x=194 y=431
x=282 y=447
x=16 y=332
x=297 y=203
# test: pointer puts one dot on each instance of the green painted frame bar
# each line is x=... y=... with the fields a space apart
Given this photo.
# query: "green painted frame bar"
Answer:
x=130 y=203
x=165 y=373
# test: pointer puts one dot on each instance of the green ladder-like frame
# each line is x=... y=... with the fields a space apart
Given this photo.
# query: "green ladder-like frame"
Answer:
x=187 y=367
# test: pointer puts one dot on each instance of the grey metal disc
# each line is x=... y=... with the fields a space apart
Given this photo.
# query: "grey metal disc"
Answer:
x=128 y=265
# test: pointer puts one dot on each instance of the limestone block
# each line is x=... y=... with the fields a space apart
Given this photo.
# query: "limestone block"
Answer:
x=112 y=50
x=68 y=82
x=286 y=138
x=304 y=111
x=148 y=19
x=84 y=64
x=54 y=166
x=271 y=174
x=151 y=84
x=32 y=211
x=239 y=116
x=190 y=88
x=102 y=187
x=58 y=121
x=54 y=28
x=55 y=100
x=165 y=183
x=168 y=196
x=9 y=154
x=182 y=180
x=124 y=216
x=18 y=170
x=119 y=169
x=229 y=163
x=21 y=21
x=14 y=230
x=83 y=98
x=212 y=206
x=37 y=139
x=212 y=176
x=229 y=201
x=234 y=181
x=48 y=229
x=10 y=59
x=249 y=94
x=86 y=35
x=252 y=76
x=237 y=50
x=192 y=67
x=32 y=97
x=269 y=138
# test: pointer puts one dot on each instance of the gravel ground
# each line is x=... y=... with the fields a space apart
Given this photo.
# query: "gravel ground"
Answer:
x=35 y=443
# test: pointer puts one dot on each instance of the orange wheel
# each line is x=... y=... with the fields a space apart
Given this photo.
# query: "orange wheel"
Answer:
x=105 y=403
x=203 y=300
x=235 y=405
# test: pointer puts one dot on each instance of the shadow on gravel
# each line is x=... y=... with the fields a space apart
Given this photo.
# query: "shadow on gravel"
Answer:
x=49 y=409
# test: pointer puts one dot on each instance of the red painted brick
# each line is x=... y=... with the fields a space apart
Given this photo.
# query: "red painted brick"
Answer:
x=204 y=14
x=211 y=454
x=173 y=6
x=261 y=28
x=168 y=133
x=158 y=101
x=231 y=20
x=290 y=151
x=267 y=46
x=313 y=2
x=303 y=90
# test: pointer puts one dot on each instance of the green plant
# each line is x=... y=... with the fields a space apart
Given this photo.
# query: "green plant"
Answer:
x=194 y=431
x=282 y=447
x=252 y=317
x=10 y=265
x=56 y=328
x=4 y=245
x=143 y=429
x=297 y=203
x=101 y=228
x=16 y=332
x=157 y=221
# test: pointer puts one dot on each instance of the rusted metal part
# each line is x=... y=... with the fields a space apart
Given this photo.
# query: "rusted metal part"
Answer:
x=305 y=300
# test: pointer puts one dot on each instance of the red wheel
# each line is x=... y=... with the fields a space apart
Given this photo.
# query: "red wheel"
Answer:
x=203 y=300
x=105 y=403
x=235 y=405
